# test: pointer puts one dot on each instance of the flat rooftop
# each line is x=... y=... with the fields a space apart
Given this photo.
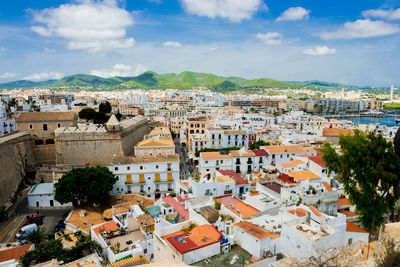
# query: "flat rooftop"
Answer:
x=234 y=205
x=42 y=189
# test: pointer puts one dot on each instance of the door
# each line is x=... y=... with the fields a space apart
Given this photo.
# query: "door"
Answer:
x=37 y=203
x=51 y=203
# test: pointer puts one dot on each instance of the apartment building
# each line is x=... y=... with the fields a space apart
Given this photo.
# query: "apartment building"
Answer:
x=157 y=143
x=153 y=177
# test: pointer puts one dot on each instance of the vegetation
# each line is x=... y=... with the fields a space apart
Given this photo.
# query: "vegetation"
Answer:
x=87 y=114
x=395 y=106
x=118 y=116
x=36 y=237
x=187 y=229
x=259 y=143
x=89 y=184
x=172 y=194
x=217 y=204
x=100 y=118
x=105 y=107
x=152 y=80
x=369 y=170
x=197 y=154
x=54 y=250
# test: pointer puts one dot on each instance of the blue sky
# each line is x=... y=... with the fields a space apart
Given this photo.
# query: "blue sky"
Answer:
x=355 y=42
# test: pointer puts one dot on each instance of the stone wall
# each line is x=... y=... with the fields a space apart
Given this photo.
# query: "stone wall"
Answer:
x=16 y=156
x=96 y=146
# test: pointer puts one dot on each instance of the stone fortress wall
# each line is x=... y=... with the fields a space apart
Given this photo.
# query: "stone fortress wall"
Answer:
x=99 y=145
x=16 y=156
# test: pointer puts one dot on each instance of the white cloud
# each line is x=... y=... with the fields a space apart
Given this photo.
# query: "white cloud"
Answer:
x=172 y=44
x=48 y=50
x=294 y=13
x=2 y=49
x=362 y=28
x=319 y=51
x=87 y=25
x=8 y=75
x=212 y=49
x=120 y=70
x=44 y=76
x=234 y=10
x=388 y=14
x=270 y=38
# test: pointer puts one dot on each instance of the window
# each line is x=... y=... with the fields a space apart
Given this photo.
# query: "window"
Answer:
x=49 y=141
x=58 y=125
x=128 y=168
x=38 y=142
x=30 y=126
x=115 y=168
x=141 y=167
x=44 y=126
x=156 y=166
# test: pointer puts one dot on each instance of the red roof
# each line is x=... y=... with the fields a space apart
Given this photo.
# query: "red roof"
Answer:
x=238 y=179
x=260 y=152
x=327 y=187
x=299 y=212
x=178 y=207
x=274 y=187
x=286 y=178
x=351 y=227
x=318 y=160
x=316 y=211
x=106 y=227
x=14 y=253
x=198 y=237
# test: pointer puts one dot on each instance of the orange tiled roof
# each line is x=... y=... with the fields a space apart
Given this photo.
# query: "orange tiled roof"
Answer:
x=303 y=175
x=106 y=227
x=337 y=132
x=299 y=212
x=214 y=155
x=327 y=187
x=316 y=211
x=242 y=153
x=351 y=227
x=254 y=230
x=292 y=163
x=342 y=202
x=292 y=149
x=349 y=213
x=14 y=253
x=245 y=209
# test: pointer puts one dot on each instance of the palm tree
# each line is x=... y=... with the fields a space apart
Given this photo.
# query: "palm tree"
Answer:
x=36 y=236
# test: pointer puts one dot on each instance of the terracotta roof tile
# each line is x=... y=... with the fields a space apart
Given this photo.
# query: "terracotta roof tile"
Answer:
x=316 y=211
x=327 y=187
x=254 y=230
x=292 y=149
x=106 y=227
x=299 y=212
x=336 y=132
x=260 y=152
x=14 y=253
x=214 y=155
x=47 y=116
x=303 y=175
x=351 y=227
x=238 y=179
x=292 y=163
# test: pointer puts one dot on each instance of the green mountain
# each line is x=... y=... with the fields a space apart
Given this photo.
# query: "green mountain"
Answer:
x=328 y=85
x=152 y=80
x=25 y=84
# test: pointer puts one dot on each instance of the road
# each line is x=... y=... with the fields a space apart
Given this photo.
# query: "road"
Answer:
x=185 y=165
x=52 y=216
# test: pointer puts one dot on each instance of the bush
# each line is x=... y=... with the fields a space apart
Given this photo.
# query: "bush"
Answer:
x=217 y=204
x=173 y=194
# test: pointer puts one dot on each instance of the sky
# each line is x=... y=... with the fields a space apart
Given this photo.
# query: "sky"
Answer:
x=347 y=41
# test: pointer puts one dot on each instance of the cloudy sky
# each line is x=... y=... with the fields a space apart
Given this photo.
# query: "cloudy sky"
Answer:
x=349 y=41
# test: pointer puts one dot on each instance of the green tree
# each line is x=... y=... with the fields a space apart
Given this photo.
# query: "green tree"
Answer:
x=87 y=114
x=100 y=118
x=369 y=170
x=118 y=116
x=217 y=204
x=44 y=252
x=36 y=237
x=89 y=184
x=256 y=145
x=105 y=107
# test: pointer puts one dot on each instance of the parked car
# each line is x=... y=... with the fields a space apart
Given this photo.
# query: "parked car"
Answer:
x=26 y=230
x=37 y=219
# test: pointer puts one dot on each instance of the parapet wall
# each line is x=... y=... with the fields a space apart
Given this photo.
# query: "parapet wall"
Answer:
x=16 y=156
x=96 y=146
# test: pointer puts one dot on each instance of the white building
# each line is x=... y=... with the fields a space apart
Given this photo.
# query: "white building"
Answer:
x=153 y=177
x=42 y=196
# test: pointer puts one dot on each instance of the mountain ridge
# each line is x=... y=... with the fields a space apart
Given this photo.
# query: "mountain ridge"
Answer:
x=153 y=80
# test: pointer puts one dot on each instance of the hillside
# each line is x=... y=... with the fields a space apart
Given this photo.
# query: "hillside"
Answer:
x=152 y=80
